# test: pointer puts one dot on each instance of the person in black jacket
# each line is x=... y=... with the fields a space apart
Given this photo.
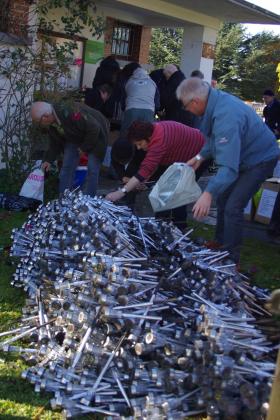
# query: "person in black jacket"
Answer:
x=106 y=77
x=107 y=72
x=271 y=112
x=158 y=77
x=98 y=98
x=73 y=127
x=173 y=107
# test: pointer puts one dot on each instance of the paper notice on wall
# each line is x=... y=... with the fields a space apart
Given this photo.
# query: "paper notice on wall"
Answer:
x=266 y=204
x=276 y=172
x=94 y=51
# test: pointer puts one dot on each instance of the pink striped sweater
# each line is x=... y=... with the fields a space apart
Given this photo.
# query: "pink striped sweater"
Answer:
x=170 y=142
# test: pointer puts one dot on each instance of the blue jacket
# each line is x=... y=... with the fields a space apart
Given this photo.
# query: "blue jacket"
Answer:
x=236 y=137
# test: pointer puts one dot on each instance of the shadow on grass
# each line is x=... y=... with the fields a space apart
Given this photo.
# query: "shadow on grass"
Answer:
x=18 y=390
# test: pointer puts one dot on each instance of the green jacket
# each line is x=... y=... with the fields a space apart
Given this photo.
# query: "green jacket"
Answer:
x=80 y=125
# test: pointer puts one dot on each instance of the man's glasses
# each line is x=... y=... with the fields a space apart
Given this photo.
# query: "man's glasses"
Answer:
x=186 y=105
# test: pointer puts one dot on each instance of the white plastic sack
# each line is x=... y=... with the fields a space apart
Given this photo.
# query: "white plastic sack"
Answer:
x=33 y=187
x=176 y=187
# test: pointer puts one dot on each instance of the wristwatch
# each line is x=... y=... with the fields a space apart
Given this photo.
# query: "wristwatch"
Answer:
x=198 y=157
x=124 y=190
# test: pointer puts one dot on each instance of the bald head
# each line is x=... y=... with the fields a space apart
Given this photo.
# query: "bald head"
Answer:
x=193 y=93
x=42 y=112
x=169 y=69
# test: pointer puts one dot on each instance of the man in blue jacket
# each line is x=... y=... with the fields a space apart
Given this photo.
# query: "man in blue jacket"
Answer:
x=244 y=149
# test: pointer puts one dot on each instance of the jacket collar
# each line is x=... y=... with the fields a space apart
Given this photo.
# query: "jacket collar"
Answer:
x=206 y=119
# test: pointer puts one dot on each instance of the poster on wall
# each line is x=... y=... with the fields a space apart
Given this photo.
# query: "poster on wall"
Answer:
x=94 y=51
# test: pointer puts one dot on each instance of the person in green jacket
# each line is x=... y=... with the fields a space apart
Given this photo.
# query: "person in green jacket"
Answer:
x=72 y=128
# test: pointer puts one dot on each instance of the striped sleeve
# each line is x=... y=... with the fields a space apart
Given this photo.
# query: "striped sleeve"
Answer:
x=152 y=160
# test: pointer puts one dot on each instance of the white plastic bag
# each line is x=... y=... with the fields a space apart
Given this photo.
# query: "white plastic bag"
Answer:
x=176 y=187
x=33 y=187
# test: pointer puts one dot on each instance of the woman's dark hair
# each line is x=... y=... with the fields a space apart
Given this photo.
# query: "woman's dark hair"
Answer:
x=197 y=73
x=110 y=62
x=140 y=130
x=268 y=92
x=122 y=151
x=107 y=72
x=128 y=70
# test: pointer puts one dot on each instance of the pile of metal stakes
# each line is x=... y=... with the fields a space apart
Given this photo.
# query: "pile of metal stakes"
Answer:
x=129 y=318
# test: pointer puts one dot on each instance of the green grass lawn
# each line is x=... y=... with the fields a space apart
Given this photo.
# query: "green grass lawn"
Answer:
x=17 y=398
x=260 y=260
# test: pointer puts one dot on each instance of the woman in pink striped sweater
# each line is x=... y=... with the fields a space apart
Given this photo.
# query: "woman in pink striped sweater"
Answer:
x=164 y=142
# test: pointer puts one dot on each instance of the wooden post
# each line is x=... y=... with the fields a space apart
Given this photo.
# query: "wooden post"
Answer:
x=274 y=402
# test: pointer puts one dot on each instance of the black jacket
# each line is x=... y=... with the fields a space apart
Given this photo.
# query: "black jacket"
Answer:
x=94 y=100
x=173 y=107
x=271 y=115
x=106 y=73
x=158 y=77
x=80 y=125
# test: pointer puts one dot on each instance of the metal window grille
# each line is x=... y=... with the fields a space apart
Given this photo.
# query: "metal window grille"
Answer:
x=125 y=40
x=121 y=40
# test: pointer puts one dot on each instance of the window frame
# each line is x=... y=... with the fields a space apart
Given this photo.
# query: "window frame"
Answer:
x=124 y=40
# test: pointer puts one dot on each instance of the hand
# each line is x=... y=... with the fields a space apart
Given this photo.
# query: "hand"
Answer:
x=141 y=187
x=194 y=163
x=45 y=166
x=202 y=206
x=125 y=179
x=114 y=196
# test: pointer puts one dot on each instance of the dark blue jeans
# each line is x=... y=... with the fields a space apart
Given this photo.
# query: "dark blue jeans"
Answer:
x=231 y=204
x=69 y=165
x=132 y=115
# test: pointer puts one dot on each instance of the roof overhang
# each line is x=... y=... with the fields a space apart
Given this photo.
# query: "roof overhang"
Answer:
x=201 y=12
x=241 y=11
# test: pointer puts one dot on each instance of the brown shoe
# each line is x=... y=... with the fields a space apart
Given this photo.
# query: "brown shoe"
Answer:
x=213 y=245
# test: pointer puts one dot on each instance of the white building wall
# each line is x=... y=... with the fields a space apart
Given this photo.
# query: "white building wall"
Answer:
x=192 y=48
x=194 y=57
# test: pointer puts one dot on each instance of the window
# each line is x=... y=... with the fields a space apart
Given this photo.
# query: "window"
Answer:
x=120 y=42
x=126 y=40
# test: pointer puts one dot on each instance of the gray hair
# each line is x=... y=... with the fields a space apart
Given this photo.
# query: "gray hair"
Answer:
x=38 y=109
x=192 y=88
x=169 y=69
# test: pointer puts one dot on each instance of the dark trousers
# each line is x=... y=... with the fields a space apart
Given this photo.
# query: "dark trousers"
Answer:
x=69 y=165
x=231 y=204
